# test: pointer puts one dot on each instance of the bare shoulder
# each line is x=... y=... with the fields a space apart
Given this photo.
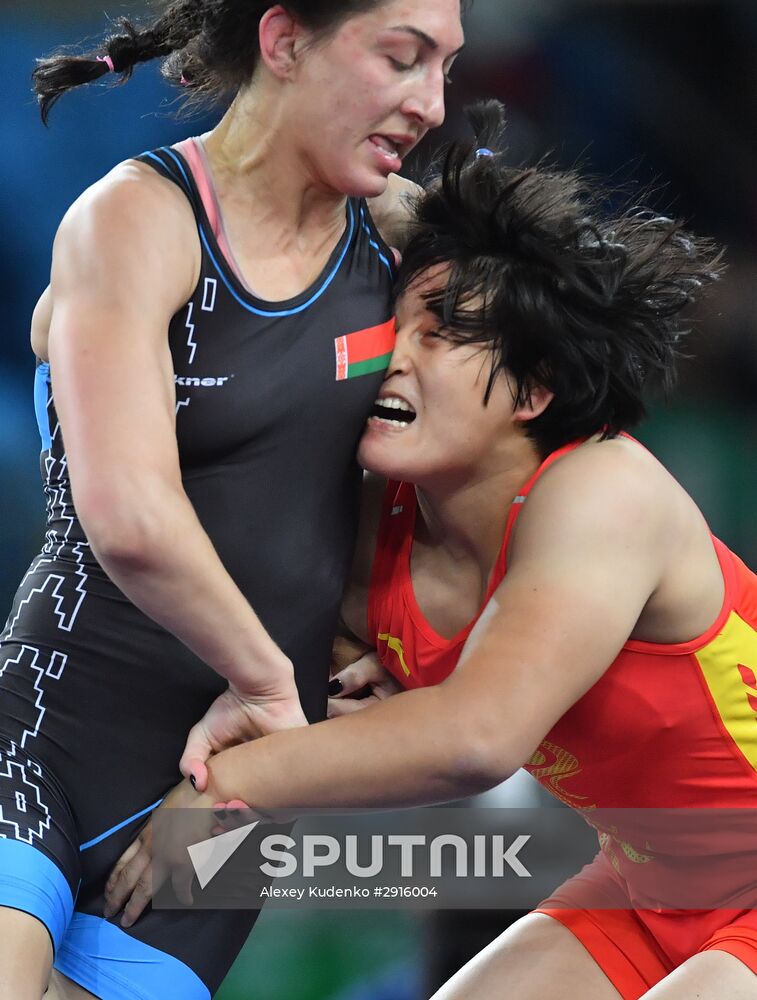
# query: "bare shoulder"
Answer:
x=132 y=222
x=603 y=489
x=355 y=604
x=394 y=209
x=128 y=242
x=125 y=191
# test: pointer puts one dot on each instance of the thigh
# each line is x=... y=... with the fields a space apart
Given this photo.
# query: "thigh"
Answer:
x=26 y=956
x=62 y=988
x=39 y=858
x=166 y=953
x=171 y=950
x=535 y=958
x=711 y=975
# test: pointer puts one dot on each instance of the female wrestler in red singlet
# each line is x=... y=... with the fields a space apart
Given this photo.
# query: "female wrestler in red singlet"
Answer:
x=547 y=593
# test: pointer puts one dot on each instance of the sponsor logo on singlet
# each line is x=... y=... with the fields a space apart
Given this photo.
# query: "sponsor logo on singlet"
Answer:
x=551 y=765
x=197 y=381
x=395 y=644
x=613 y=846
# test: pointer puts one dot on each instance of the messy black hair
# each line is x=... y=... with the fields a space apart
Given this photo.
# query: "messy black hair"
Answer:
x=563 y=292
x=209 y=47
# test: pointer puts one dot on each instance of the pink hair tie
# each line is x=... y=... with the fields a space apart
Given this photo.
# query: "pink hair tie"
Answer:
x=108 y=62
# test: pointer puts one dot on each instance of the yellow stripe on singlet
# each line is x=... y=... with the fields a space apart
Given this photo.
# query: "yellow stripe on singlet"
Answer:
x=395 y=645
x=729 y=666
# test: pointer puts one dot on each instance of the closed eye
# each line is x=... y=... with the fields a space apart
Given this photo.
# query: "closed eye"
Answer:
x=406 y=67
x=448 y=69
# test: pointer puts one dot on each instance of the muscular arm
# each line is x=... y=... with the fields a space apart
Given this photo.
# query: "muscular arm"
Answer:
x=41 y=319
x=122 y=266
x=586 y=557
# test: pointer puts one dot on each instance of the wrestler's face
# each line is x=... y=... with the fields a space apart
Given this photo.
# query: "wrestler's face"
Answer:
x=431 y=425
x=364 y=96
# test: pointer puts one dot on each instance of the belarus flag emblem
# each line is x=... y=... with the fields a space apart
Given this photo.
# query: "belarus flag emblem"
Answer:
x=365 y=351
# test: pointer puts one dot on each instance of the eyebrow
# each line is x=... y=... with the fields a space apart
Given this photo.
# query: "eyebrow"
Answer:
x=426 y=39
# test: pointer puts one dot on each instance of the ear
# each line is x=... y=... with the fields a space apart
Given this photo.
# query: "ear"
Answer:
x=279 y=33
x=539 y=398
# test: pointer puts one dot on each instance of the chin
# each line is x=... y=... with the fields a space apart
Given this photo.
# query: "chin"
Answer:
x=381 y=462
x=363 y=184
x=368 y=190
x=371 y=459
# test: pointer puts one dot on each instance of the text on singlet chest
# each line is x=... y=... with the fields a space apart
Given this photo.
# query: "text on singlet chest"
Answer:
x=189 y=381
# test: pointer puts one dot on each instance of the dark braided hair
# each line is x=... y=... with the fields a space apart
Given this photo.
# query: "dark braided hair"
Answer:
x=563 y=292
x=210 y=47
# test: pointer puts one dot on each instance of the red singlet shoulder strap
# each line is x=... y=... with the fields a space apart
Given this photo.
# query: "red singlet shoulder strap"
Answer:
x=394 y=539
x=520 y=499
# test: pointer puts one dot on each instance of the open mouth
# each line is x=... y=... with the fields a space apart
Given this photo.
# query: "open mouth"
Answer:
x=389 y=148
x=393 y=411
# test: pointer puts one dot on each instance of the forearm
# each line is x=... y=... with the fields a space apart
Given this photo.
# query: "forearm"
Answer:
x=407 y=751
x=167 y=567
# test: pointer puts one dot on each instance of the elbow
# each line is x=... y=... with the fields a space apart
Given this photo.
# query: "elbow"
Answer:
x=480 y=762
x=478 y=769
x=123 y=551
x=122 y=540
x=471 y=749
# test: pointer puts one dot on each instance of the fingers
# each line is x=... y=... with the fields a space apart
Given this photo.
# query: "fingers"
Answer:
x=367 y=670
x=346 y=706
x=388 y=687
x=237 y=804
x=345 y=651
x=141 y=894
x=129 y=854
x=232 y=815
x=181 y=880
x=196 y=751
x=197 y=773
x=131 y=876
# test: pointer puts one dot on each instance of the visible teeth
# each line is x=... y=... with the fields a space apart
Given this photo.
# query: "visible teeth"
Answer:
x=384 y=410
x=392 y=423
x=386 y=144
x=394 y=403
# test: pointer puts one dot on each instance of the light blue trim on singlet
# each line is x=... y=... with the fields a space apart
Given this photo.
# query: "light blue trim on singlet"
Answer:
x=108 y=962
x=382 y=257
x=31 y=882
x=222 y=273
x=41 y=382
x=158 y=160
x=119 y=826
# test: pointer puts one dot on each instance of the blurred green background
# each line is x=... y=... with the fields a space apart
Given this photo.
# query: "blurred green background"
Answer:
x=643 y=92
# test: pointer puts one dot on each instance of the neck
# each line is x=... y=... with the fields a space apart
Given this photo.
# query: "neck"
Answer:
x=467 y=519
x=253 y=155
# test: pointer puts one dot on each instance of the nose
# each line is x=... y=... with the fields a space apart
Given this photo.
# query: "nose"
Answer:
x=400 y=362
x=426 y=105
